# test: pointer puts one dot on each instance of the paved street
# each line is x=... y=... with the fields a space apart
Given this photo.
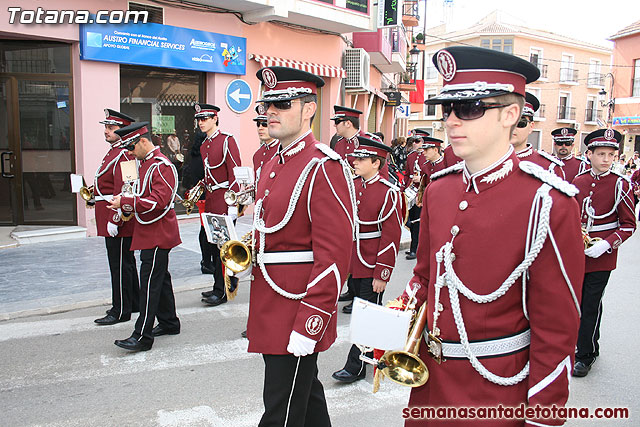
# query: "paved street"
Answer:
x=62 y=370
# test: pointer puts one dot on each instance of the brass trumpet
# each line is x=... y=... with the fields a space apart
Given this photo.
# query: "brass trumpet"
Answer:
x=244 y=197
x=87 y=194
x=588 y=240
x=405 y=366
x=193 y=196
x=236 y=255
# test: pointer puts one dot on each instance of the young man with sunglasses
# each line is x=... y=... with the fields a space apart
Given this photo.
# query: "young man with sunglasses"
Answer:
x=304 y=226
x=520 y=136
x=607 y=214
x=155 y=234
x=220 y=154
x=563 y=140
x=268 y=145
x=433 y=162
x=500 y=256
x=412 y=176
x=125 y=288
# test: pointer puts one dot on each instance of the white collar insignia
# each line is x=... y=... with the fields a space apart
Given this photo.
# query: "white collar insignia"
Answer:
x=500 y=173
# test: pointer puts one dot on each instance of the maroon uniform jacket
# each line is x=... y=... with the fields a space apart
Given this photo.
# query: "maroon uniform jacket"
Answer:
x=573 y=166
x=303 y=231
x=479 y=225
x=378 y=228
x=152 y=204
x=220 y=154
x=450 y=157
x=414 y=159
x=107 y=183
x=543 y=159
x=607 y=212
x=263 y=154
x=346 y=146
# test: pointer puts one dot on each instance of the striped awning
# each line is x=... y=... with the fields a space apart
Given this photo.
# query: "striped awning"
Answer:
x=317 y=69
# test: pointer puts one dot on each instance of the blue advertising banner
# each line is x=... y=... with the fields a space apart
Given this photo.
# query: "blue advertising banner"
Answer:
x=634 y=120
x=165 y=46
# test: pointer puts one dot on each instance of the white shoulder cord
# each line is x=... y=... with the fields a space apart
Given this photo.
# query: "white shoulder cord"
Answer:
x=588 y=209
x=455 y=285
x=394 y=198
x=99 y=173
x=174 y=190
x=208 y=167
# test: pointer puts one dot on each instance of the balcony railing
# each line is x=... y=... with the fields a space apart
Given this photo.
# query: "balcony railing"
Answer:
x=592 y=115
x=568 y=75
x=566 y=113
x=542 y=67
x=540 y=113
x=635 y=85
x=595 y=79
x=410 y=8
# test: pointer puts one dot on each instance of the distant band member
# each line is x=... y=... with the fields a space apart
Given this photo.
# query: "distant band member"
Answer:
x=563 y=141
x=125 y=287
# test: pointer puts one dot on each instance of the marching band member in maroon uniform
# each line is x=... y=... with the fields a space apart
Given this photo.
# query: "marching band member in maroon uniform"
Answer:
x=268 y=145
x=563 y=140
x=412 y=179
x=608 y=214
x=378 y=230
x=303 y=233
x=450 y=157
x=503 y=311
x=220 y=154
x=433 y=159
x=125 y=288
x=155 y=233
x=521 y=133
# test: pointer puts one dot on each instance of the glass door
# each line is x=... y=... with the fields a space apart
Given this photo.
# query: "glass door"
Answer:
x=8 y=214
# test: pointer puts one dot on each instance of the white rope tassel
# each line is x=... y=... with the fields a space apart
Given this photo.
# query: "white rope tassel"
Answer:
x=539 y=226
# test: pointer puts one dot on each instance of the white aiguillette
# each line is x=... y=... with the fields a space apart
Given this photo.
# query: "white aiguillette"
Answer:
x=379 y=327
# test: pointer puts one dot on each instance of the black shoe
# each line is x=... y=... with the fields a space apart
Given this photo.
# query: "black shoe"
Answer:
x=243 y=334
x=411 y=255
x=214 y=300
x=407 y=252
x=207 y=294
x=347 y=377
x=132 y=344
x=347 y=296
x=206 y=268
x=110 y=319
x=160 y=330
x=347 y=308
x=581 y=369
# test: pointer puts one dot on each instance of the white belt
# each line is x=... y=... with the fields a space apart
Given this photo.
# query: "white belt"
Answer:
x=286 y=257
x=604 y=227
x=369 y=235
x=495 y=347
x=104 y=198
x=212 y=188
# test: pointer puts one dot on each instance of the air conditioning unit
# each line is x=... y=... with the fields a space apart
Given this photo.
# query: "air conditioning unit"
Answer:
x=356 y=64
x=436 y=125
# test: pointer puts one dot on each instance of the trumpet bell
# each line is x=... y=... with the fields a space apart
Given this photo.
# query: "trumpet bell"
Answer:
x=86 y=193
x=404 y=368
x=230 y=197
x=235 y=255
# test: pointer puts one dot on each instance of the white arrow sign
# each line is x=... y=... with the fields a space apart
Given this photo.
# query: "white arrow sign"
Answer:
x=237 y=96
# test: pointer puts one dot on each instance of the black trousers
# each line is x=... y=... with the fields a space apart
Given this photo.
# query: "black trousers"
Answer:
x=364 y=290
x=211 y=257
x=591 y=306
x=156 y=294
x=414 y=226
x=125 y=287
x=293 y=396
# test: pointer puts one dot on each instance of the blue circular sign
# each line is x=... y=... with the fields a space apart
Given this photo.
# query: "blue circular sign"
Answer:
x=239 y=96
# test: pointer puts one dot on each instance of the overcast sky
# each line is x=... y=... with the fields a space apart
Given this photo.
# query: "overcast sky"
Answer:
x=588 y=20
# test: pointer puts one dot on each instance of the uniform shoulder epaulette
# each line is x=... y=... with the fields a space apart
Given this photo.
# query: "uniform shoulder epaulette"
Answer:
x=163 y=160
x=226 y=133
x=446 y=171
x=583 y=172
x=621 y=175
x=328 y=151
x=552 y=159
x=549 y=177
x=389 y=184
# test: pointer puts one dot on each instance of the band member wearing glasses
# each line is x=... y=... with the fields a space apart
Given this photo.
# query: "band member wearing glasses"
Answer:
x=412 y=177
x=268 y=145
x=304 y=227
x=563 y=141
x=607 y=214
x=520 y=136
x=220 y=154
x=125 y=288
x=502 y=312
x=378 y=230
x=155 y=234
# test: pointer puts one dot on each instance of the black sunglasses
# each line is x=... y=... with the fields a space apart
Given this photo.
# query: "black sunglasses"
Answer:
x=468 y=110
x=279 y=105
x=338 y=121
x=261 y=124
x=565 y=143
x=523 y=123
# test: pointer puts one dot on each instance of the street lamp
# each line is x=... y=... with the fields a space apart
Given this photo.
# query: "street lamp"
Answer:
x=412 y=66
x=611 y=102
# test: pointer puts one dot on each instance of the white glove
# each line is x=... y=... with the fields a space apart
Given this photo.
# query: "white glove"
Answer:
x=240 y=275
x=112 y=229
x=300 y=345
x=597 y=249
x=232 y=211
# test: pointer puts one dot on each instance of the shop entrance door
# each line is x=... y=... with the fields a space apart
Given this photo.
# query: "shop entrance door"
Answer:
x=8 y=182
